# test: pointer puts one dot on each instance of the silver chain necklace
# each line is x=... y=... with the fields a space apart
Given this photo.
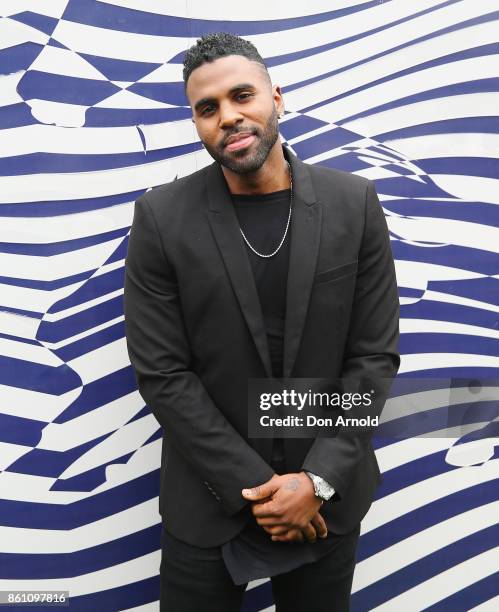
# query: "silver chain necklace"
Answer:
x=287 y=224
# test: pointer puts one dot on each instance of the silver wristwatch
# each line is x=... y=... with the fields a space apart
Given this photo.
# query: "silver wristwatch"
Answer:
x=322 y=488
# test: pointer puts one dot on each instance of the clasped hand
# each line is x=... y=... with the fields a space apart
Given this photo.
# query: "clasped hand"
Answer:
x=287 y=508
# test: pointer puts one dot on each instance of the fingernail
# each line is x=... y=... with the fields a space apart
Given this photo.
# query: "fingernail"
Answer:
x=246 y=492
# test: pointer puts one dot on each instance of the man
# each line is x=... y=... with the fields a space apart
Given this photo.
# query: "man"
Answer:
x=257 y=266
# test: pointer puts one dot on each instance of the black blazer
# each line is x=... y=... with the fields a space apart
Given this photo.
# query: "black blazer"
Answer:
x=195 y=334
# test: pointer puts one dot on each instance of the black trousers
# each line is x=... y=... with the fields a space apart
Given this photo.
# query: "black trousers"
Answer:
x=196 y=580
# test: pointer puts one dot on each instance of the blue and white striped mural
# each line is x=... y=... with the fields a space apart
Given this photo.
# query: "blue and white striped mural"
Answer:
x=92 y=113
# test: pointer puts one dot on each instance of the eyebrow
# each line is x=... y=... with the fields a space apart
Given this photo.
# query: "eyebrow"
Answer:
x=233 y=90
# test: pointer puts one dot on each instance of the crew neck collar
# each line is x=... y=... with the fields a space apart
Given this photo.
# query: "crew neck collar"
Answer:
x=272 y=195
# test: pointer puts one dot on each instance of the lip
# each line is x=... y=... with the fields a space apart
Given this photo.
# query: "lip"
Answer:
x=239 y=141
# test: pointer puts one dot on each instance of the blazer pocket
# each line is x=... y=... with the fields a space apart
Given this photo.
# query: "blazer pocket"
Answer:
x=335 y=273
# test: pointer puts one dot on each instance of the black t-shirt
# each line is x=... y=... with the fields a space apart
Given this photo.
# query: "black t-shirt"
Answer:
x=263 y=220
x=251 y=554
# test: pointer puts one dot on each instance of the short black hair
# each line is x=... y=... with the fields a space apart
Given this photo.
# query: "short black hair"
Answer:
x=210 y=47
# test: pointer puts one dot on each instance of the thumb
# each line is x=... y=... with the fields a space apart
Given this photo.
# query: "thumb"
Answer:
x=260 y=492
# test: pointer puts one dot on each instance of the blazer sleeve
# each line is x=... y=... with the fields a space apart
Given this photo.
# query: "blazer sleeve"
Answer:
x=371 y=347
x=160 y=356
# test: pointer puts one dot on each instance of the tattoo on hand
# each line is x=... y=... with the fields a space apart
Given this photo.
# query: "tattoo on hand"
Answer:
x=292 y=484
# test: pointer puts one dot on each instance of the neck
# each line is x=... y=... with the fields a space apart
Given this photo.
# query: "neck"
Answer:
x=272 y=176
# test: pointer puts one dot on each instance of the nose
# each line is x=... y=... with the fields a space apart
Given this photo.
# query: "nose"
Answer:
x=229 y=115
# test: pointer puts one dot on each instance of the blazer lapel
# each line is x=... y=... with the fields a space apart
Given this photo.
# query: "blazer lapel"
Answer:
x=304 y=248
x=306 y=222
x=225 y=227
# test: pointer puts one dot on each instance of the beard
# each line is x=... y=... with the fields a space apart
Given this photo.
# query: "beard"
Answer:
x=241 y=161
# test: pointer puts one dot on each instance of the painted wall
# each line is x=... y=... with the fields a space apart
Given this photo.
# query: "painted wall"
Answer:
x=92 y=113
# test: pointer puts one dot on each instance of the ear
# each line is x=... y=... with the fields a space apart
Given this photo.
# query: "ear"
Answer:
x=278 y=100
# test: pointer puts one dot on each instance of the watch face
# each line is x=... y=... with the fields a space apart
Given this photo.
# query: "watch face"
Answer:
x=323 y=491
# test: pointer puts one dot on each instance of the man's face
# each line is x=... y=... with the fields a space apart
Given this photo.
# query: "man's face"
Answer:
x=235 y=110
